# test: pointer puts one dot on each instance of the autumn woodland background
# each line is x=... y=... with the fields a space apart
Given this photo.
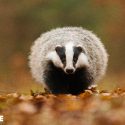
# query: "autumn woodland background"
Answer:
x=22 y=21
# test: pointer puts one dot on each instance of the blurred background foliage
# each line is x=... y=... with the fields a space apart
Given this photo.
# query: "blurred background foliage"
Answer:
x=22 y=21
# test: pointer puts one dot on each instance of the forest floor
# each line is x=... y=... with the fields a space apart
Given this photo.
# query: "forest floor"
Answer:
x=93 y=107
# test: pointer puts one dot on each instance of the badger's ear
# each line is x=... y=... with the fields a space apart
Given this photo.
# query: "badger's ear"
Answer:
x=58 y=48
x=80 y=49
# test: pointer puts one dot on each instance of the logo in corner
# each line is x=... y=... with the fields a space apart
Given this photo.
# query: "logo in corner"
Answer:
x=1 y=118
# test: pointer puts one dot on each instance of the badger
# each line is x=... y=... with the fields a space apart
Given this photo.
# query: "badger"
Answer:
x=68 y=60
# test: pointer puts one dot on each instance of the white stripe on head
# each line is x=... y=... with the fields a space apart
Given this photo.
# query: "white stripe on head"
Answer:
x=53 y=56
x=69 y=56
x=82 y=61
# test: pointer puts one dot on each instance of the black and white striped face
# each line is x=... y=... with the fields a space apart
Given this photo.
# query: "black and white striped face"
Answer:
x=68 y=57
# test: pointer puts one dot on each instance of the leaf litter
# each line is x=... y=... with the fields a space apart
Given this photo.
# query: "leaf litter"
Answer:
x=92 y=107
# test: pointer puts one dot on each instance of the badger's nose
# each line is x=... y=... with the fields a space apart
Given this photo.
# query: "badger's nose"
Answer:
x=69 y=71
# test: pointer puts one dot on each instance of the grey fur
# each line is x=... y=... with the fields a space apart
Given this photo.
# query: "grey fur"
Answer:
x=96 y=53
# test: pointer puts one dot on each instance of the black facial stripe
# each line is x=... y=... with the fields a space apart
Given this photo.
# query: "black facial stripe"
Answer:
x=61 y=53
x=77 y=51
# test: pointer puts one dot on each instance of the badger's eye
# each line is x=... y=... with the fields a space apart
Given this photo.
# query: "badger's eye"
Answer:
x=63 y=59
x=77 y=51
x=74 y=60
x=60 y=50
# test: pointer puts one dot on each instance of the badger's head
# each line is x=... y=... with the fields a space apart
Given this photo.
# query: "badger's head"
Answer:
x=69 y=57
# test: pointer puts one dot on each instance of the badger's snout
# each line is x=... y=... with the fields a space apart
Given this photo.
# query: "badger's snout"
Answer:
x=69 y=70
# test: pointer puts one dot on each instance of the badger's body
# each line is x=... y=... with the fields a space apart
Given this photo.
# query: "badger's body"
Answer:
x=68 y=60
